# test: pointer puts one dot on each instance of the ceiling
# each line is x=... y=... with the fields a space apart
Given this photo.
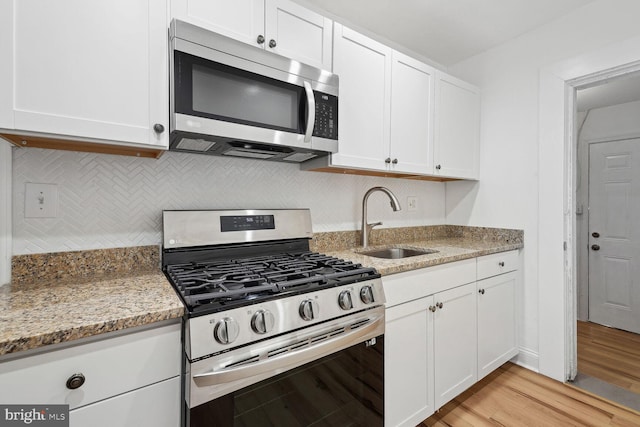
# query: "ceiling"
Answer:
x=448 y=31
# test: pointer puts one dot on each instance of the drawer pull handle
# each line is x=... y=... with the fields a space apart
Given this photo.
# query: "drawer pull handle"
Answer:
x=75 y=381
x=481 y=291
x=439 y=305
x=432 y=309
x=501 y=263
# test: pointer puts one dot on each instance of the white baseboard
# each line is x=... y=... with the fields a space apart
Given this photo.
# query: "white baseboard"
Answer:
x=527 y=358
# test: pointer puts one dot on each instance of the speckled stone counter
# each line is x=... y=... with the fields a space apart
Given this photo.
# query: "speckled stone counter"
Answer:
x=55 y=298
x=452 y=243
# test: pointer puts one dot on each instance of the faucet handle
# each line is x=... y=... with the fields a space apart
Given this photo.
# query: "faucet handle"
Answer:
x=373 y=224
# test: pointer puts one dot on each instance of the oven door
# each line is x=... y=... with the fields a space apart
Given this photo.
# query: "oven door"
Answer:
x=331 y=374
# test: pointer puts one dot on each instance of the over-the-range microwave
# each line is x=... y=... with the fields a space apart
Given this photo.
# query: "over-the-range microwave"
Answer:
x=232 y=99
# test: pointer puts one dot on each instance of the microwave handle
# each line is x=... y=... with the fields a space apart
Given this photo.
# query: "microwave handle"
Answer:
x=311 y=111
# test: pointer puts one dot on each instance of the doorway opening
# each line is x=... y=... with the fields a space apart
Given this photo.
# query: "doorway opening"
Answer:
x=607 y=238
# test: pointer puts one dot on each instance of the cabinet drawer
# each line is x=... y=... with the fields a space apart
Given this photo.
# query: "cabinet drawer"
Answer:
x=494 y=264
x=111 y=366
x=410 y=285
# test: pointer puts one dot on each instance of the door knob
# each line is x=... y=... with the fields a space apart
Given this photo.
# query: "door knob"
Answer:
x=595 y=247
x=595 y=234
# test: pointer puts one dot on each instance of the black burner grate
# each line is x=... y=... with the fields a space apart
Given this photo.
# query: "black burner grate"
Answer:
x=240 y=281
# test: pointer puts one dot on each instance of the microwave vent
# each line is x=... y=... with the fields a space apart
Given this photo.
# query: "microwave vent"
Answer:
x=194 y=144
x=299 y=157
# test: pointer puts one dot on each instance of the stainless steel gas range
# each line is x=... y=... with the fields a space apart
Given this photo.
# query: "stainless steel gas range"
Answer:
x=274 y=334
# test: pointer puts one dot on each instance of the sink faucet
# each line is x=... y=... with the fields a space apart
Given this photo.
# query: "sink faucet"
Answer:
x=366 y=228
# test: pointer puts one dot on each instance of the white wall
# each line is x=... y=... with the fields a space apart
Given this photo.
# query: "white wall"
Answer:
x=116 y=201
x=5 y=212
x=507 y=194
x=601 y=124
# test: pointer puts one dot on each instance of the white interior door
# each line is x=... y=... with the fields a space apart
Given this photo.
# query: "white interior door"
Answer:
x=614 y=234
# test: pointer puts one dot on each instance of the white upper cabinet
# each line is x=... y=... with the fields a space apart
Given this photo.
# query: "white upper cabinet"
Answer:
x=239 y=19
x=92 y=71
x=279 y=26
x=411 y=145
x=457 y=128
x=364 y=67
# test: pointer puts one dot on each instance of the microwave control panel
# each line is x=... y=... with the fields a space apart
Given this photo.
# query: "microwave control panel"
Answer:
x=326 y=125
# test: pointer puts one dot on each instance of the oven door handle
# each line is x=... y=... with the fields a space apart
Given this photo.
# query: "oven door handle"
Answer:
x=311 y=111
x=294 y=358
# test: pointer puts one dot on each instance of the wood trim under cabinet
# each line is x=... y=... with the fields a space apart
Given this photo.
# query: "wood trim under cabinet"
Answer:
x=386 y=174
x=89 y=147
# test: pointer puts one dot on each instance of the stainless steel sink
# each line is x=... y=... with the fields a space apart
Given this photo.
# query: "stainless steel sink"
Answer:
x=397 y=253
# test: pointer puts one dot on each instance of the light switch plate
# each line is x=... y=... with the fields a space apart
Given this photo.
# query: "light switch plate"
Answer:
x=40 y=200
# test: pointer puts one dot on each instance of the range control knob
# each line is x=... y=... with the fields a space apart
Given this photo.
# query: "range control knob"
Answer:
x=262 y=321
x=366 y=294
x=344 y=300
x=226 y=330
x=309 y=309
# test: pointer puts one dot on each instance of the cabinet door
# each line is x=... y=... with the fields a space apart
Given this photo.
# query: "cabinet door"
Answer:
x=157 y=405
x=412 y=84
x=497 y=342
x=457 y=128
x=455 y=341
x=364 y=67
x=239 y=19
x=95 y=70
x=298 y=33
x=408 y=364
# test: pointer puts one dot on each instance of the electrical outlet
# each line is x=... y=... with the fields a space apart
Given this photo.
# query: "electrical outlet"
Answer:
x=40 y=200
x=412 y=203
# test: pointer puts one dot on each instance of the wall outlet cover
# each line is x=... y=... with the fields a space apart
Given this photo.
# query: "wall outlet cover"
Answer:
x=40 y=200
x=412 y=203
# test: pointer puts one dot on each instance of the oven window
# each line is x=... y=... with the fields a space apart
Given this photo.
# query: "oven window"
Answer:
x=342 y=389
x=217 y=91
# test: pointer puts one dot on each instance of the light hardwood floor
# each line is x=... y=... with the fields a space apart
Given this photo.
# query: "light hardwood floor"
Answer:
x=610 y=355
x=515 y=396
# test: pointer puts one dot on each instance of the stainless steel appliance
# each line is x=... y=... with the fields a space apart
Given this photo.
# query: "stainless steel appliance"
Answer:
x=231 y=99
x=274 y=334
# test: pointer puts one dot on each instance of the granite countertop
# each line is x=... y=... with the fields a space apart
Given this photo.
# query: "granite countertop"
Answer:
x=448 y=250
x=453 y=243
x=59 y=304
x=60 y=297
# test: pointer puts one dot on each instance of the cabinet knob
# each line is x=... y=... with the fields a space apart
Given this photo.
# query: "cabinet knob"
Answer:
x=595 y=247
x=501 y=263
x=75 y=381
x=432 y=308
x=260 y=39
x=395 y=161
x=387 y=160
x=439 y=305
x=595 y=234
x=481 y=291
x=438 y=167
x=272 y=43
x=158 y=128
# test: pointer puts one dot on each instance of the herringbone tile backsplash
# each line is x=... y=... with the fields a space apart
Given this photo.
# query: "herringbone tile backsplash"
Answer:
x=108 y=201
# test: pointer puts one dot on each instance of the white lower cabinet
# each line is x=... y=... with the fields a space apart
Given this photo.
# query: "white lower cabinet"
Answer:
x=153 y=406
x=409 y=378
x=454 y=342
x=447 y=327
x=497 y=341
x=130 y=379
